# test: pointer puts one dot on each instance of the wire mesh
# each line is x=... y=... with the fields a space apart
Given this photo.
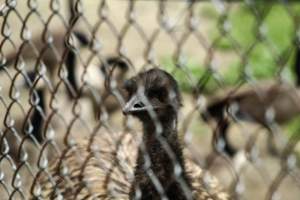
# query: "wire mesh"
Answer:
x=63 y=93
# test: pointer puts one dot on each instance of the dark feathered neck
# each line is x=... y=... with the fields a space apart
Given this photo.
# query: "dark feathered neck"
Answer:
x=37 y=118
x=155 y=149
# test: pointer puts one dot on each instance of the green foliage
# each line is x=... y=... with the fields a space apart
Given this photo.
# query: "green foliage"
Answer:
x=261 y=42
x=185 y=81
x=293 y=127
x=261 y=50
x=244 y=27
x=208 y=11
x=189 y=77
x=261 y=63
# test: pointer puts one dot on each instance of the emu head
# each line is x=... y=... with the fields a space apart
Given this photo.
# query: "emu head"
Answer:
x=153 y=93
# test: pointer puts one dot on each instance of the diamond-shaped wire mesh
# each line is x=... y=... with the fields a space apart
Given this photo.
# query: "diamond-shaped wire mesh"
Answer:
x=75 y=125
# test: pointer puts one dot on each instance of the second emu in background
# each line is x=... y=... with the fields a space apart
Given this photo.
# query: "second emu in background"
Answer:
x=265 y=103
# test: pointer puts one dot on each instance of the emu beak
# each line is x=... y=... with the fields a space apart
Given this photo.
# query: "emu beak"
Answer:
x=134 y=105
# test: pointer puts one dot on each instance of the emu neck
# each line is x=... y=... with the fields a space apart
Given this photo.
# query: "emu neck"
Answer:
x=162 y=166
x=37 y=118
x=71 y=65
x=169 y=127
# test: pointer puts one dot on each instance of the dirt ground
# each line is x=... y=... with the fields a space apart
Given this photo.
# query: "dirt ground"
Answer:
x=255 y=177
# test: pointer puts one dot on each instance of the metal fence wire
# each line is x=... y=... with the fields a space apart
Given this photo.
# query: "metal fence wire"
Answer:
x=149 y=99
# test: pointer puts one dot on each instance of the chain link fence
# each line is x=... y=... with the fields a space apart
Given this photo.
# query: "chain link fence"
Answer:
x=63 y=65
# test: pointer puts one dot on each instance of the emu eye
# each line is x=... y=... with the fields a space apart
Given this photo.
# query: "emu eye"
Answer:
x=159 y=93
x=130 y=87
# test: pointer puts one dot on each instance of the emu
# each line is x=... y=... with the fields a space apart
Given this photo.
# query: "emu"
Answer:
x=252 y=104
x=29 y=127
x=128 y=166
x=47 y=54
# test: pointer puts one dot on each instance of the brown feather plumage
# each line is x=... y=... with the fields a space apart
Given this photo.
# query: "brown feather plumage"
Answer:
x=107 y=172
